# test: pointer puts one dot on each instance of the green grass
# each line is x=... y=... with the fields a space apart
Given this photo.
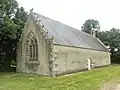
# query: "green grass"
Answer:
x=90 y=80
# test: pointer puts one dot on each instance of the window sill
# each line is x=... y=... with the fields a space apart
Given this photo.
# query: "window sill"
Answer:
x=33 y=62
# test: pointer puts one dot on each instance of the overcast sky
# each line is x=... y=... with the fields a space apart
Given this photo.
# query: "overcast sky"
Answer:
x=75 y=12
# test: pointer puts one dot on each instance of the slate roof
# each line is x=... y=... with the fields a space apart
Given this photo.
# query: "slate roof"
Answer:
x=66 y=35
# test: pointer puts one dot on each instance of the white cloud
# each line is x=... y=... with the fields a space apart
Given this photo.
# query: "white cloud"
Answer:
x=75 y=12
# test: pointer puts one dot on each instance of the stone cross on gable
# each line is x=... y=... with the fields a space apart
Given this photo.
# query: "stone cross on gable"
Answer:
x=31 y=10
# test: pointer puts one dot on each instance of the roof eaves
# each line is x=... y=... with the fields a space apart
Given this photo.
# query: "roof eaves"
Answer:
x=78 y=47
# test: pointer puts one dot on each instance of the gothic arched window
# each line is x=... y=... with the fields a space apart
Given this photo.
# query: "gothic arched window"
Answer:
x=33 y=49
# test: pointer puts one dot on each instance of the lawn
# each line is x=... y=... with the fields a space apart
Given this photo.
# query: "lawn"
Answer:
x=89 y=80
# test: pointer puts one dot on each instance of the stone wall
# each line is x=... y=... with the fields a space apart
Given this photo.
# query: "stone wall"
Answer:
x=72 y=59
x=43 y=67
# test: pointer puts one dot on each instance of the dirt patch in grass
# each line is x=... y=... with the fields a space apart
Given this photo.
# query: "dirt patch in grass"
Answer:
x=111 y=85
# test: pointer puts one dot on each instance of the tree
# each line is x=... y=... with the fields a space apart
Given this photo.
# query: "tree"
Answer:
x=12 y=19
x=20 y=19
x=117 y=30
x=111 y=38
x=90 y=25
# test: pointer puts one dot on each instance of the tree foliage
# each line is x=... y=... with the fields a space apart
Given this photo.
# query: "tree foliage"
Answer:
x=12 y=19
x=111 y=38
x=89 y=25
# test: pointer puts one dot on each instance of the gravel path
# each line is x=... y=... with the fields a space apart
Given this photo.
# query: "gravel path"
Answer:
x=111 y=86
x=117 y=87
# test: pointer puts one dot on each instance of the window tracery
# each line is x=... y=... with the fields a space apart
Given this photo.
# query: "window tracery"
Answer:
x=32 y=48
